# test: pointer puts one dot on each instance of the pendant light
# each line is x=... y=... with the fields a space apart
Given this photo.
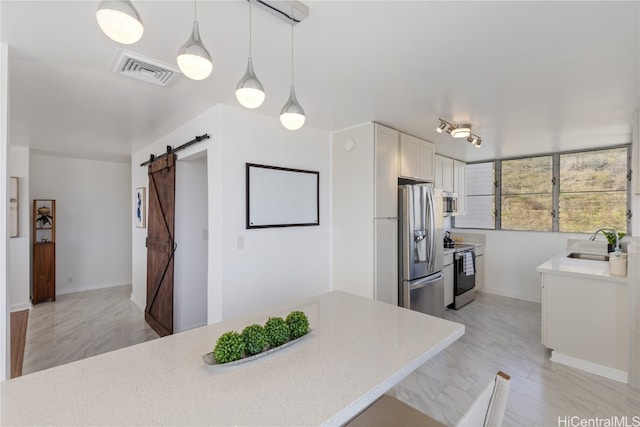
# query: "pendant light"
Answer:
x=249 y=91
x=193 y=58
x=120 y=21
x=292 y=115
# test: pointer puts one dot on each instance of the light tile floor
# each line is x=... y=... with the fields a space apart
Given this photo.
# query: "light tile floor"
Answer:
x=81 y=325
x=504 y=334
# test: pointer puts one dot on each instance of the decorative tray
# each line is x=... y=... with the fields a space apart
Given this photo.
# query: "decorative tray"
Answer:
x=210 y=360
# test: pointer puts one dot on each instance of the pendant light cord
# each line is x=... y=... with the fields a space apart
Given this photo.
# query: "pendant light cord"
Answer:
x=195 y=11
x=291 y=45
x=250 y=31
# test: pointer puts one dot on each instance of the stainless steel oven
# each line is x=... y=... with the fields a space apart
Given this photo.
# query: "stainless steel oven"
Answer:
x=464 y=283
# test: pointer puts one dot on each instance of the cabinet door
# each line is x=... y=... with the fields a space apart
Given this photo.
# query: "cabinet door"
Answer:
x=386 y=172
x=386 y=261
x=447 y=174
x=439 y=165
x=44 y=272
x=459 y=176
x=448 y=284
x=426 y=161
x=408 y=156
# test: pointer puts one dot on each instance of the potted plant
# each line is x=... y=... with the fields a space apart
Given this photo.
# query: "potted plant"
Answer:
x=611 y=239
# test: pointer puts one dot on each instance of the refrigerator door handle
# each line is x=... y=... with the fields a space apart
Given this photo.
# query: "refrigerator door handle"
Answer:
x=425 y=281
x=432 y=227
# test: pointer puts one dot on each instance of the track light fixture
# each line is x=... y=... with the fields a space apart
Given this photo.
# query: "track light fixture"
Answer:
x=459 y=131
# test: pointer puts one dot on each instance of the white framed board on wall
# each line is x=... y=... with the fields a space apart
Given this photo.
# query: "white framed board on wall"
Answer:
x=281 y=197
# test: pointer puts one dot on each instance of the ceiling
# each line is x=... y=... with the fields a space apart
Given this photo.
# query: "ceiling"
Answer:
x=531 y=77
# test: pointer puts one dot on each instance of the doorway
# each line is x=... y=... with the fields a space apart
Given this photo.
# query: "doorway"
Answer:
x=192 y=235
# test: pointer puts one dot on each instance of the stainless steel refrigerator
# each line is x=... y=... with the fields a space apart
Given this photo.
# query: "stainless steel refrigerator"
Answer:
x=421 y=284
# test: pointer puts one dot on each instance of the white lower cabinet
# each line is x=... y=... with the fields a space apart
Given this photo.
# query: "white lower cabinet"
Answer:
x=449 y=273
x=585 y=322
x=386 y=261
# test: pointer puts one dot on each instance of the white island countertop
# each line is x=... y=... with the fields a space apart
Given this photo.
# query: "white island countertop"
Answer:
x=356 y=351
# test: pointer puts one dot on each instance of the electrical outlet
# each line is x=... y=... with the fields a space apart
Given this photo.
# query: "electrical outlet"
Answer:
x=240 y=242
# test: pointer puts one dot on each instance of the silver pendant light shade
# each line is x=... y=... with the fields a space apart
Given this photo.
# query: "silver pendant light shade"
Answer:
x=249 y=91
x=193 y=58
x=292 y=115
x=120 y=21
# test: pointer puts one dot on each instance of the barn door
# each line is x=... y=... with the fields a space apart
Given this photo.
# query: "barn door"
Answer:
x=161 y=245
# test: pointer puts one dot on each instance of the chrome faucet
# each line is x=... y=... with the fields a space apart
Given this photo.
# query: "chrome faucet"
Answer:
x=615 y=233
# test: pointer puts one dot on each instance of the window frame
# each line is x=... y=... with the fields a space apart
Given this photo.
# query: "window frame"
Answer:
x=497 y=170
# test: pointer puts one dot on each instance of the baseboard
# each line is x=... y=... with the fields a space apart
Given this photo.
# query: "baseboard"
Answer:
x=73 y=290
x=512 y=294
x=21 y=306
x=137 y=302
x=594 y=368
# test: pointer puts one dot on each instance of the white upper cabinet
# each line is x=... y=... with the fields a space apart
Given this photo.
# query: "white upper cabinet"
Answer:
x=386 y=172
x=417 y=158
x=459 y=176
x=444 y=173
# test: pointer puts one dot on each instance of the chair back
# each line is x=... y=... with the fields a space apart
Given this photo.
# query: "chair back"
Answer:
x=488 y=409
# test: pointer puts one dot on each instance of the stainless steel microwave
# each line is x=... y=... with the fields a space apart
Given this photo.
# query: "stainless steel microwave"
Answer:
x=450 y=203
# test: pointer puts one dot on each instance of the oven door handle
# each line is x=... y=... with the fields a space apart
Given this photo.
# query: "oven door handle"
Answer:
x=421 y=283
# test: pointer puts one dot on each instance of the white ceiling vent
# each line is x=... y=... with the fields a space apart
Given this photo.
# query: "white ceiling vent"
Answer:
x=141 y=68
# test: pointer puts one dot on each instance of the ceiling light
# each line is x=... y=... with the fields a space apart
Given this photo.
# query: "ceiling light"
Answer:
x=249 y=90
x=461 y=131
x=193 y=58
x=292 y=115
x=120 y=21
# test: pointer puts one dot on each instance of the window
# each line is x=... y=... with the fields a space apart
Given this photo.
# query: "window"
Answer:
x=575 y=192
x=527 y=194
x=593 y=190
x=480 y=200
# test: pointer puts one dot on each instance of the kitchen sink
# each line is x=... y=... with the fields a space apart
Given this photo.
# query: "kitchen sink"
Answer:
x=592 y=257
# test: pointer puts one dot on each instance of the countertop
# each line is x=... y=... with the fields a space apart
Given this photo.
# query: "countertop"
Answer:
x=561 y=264
x=356 y=351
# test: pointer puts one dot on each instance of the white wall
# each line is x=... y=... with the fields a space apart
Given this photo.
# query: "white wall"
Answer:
x=276 y=265
x=191 y=256
x=5 y=336
x=93 y=221
x=511 y=259
x=20 y=247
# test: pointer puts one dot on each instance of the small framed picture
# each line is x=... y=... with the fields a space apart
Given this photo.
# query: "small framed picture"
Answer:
x=140 y=207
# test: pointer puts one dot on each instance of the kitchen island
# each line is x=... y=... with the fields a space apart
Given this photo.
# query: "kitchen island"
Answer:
x=357 y=349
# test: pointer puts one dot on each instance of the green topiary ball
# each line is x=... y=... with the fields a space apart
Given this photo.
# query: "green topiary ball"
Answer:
x=277 y=331
x=255 y=339
x=298 y=324
x=229 y=347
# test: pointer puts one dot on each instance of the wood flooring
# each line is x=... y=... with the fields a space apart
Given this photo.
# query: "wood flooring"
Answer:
x=81 y=325
x=18 y=322
x=504 y=334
